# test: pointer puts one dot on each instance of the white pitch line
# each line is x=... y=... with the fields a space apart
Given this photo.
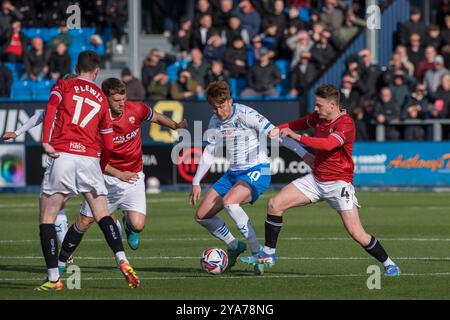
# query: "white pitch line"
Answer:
x=250 y=277
x=195 y=258
x=210 y=239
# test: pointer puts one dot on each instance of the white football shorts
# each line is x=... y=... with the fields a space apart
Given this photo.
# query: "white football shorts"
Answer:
x=339 y=194
x=72 y=174
x=122 y=195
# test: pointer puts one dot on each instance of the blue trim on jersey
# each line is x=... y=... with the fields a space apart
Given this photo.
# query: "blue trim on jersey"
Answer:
x=257 y=177
x=267 y=125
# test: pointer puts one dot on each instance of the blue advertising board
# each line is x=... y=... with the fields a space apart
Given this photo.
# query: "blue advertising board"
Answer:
x=413 y=164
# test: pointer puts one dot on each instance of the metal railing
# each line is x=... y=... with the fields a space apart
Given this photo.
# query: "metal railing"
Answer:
x=436 y=124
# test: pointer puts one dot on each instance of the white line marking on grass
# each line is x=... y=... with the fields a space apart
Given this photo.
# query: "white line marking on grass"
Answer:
x=250 y=277
x=283 y=239
x=195 y=258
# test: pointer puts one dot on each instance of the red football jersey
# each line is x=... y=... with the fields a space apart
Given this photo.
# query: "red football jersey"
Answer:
x=81 y=116
x=127 y=151
x=336 y=164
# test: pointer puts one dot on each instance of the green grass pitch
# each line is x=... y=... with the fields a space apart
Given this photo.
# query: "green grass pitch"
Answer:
x=317 y=260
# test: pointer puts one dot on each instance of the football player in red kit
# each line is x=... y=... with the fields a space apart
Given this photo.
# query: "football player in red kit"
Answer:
x=331 y=179
x=123 y=176
x=78 y=139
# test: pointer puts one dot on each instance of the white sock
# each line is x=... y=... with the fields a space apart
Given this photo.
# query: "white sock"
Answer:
x=216 y=226
x=268 y=250
x=244 y=225
x=389 y=262
x=61 y=264
x=53 y=274
x=120 y=256
x=61 y=226
x=119 y=227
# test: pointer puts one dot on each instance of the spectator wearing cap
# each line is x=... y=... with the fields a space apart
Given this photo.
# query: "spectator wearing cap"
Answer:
x=433 y=37
x=415 y=49
x=159 y=87
x=216 y=73
x=215 y=48
x=426 y=64
x=6 y=80
x=413 y=25
x=350 y=97
x=198 y=67
x=332 y=16
x=36 y=61
x=185 y=88
x=233 y=30
x=299 y=43
x=203 y=32
x=134 y=88
x=387 y=110
x=250 y=18
x=400 y=91
x=60 y=62
x=433 y=77
x=302 y=75
x=235 y=58
x=262 y=78
x=223 y=14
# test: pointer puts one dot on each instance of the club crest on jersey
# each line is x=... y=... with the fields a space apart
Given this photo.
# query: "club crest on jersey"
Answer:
x=132 y=119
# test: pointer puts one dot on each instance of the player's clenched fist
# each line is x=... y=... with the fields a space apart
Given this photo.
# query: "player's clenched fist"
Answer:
x=195 y=195
x=9 y=135
x=50 y=151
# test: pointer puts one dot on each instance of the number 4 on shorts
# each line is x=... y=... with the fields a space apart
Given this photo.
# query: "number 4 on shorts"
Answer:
x=344 y=193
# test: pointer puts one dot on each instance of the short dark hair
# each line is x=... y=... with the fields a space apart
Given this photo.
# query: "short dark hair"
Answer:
x=217 y=93
x=329 y=92
x=112 y=86
x=88 y=61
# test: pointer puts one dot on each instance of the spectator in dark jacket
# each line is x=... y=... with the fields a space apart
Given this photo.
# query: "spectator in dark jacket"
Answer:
x=302 y=75
x=350 y=97
x=198 y=67
x=202 y=33
x=262 y=78
x=216 y=73
x=233 y=30
x=371 y=73
x=36 y=61
x=183 y=38
x=60 y=62
x=223 y=14
x=322 y=52
x=400 y=91
x=434 y=37
x=135 y=90
x=415 y=50
x=235 y=58
x=154 y=64
x=8 y=14
x=250 y=18
x=215 y=49
x=387 y=110
x=413 y=25
x=6 y=80
x=277 y=16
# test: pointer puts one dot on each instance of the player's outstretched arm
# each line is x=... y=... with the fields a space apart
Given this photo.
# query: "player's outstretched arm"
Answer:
x=35 y=120
x=165 y=121
x=203 y=167
x=327 y=144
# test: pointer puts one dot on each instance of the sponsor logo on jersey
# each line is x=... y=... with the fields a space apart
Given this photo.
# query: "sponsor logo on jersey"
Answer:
x=77 y=147
x=132 y=119
x=127 y=137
